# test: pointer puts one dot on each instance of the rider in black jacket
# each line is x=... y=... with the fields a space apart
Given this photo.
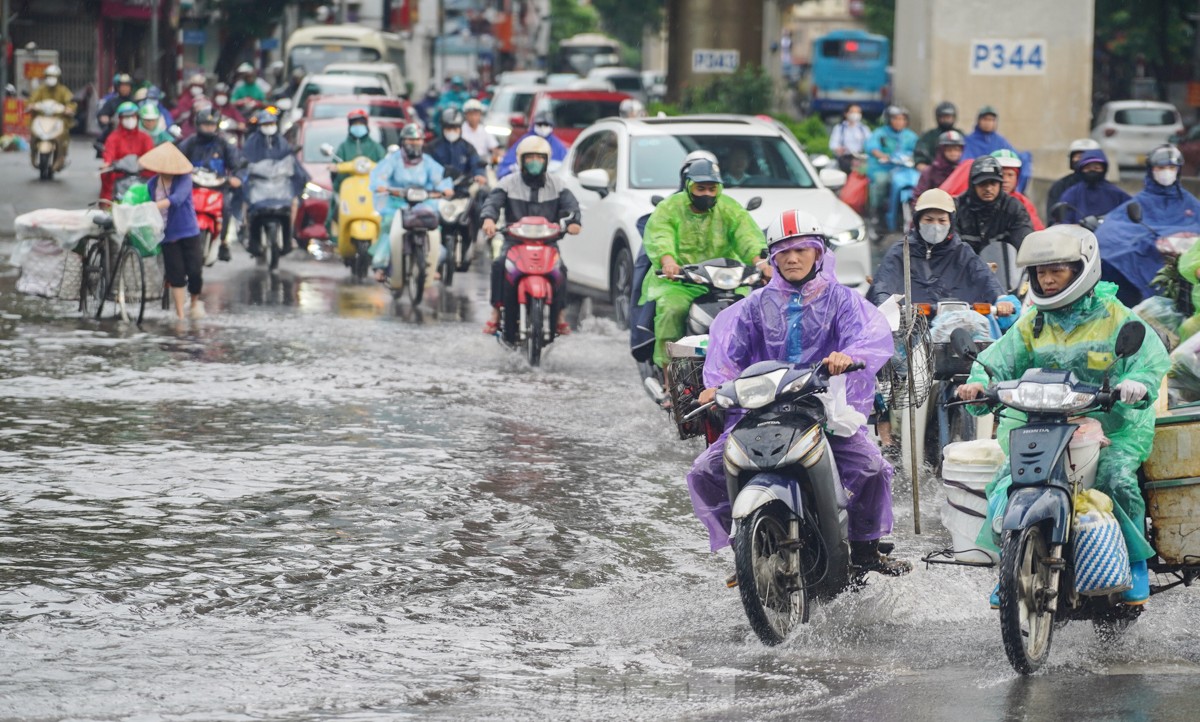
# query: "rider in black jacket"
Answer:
x=986 y=214
x=207 y=149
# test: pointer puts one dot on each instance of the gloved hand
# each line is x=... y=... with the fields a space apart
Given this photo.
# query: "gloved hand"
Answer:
x=1131 y=391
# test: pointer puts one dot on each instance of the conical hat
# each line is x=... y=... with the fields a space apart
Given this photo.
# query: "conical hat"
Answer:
x=166 y=159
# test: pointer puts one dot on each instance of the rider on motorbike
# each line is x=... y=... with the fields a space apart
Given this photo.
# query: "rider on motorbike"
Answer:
x=543 y=127
x=207 y=149
x=531 y=192
x=224 y=107
x=928 y=145
x=886 y=148
x=358 y=143
x=476 y=133
x=1074 y=152
x=457 y=156
x=1131 y=258
x=405 y=168
x=1095 y=196
x=1010 y=174
x=986 y=214
x=125 y=140
x=184 y=110
x=949 y=155
x=1074 y=326
x=267 y=144
x=52 y=89
x=249 y=89
x=107 y=115
x=149 y=118
x=804 y=316
x=690 y=227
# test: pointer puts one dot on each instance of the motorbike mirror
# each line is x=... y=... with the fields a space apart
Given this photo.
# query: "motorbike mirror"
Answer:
x=963 y=344
x=1134 y=211
x=327 y=150
x=655 y=200
x=1130 y=338
x=175 y=131
x=820 y=161
x=754 y=203
x=1059 y=211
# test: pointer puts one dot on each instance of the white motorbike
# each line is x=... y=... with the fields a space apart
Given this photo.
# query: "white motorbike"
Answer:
x=49 y=123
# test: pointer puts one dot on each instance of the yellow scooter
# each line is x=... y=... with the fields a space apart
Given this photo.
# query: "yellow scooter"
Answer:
x=358 y=223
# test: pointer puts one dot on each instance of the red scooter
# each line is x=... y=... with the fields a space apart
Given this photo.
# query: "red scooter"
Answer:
x=532 y=270
x=208 y=195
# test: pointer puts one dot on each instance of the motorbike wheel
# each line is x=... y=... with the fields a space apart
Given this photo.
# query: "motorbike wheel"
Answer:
x=129 y=286
x=535 y=329
x=274 y=246
x=771 y=586
x=362 y=261
x=461 y=251
x=415 y=278
x=206 y=242
x=448 y=266
x=1026 y=626
x=621 y=274
x=45 y=166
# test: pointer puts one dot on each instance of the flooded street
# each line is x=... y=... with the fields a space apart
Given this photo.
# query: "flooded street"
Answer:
x=315 y=505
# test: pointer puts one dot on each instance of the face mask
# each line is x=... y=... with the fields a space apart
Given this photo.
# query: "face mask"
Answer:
x=535 y=167
x=206 y=135
x=853 y=117
x=543 y=130
x=412 y=152
x=129 y=123
x=933 y=233
x=1166 y=176
x=358 y=131
x=269 y=130
x=946 y=126
x=221 y=99
x=197 y=91
x=703 y=204
x=1092 y=177
x=452 y=136
x=51 y=81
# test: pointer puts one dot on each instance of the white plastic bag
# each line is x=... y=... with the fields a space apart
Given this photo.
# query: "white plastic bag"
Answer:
x=841 y=419
x=66 y=228
x=144 y=218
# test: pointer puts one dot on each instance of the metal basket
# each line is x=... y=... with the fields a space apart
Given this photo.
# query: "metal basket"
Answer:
x=685 y=381
x=893 y=381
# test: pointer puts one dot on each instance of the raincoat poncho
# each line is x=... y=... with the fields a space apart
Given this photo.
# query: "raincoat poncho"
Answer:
x=1081 y=337
x=1127 y=249
x=394 y=172
x=1189 y=266
x=801 y=326
x=894 y=144
x=1092 y=199
x=674 y=229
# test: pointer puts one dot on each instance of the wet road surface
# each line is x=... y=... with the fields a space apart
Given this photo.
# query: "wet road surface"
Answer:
x=315 y=504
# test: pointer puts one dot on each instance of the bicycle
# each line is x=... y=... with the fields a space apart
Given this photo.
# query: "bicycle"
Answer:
x=127 y=285
x=95 y=271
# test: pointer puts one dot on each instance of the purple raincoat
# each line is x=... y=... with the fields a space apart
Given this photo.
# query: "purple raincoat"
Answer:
x=781 y=323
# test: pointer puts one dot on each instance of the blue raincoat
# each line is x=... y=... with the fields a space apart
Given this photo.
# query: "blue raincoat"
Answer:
x=1127 y=251
x=394 y=172
x=1092 y=200
x=558 y=152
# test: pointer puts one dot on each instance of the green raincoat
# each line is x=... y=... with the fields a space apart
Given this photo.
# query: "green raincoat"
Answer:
x=674 y=229
x=1189 y=264
x=1081 y=337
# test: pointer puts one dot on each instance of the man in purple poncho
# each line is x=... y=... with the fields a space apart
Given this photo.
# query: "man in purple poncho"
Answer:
x=804 y=316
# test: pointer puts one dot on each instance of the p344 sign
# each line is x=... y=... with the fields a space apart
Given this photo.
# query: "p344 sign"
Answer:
x=1008 y=57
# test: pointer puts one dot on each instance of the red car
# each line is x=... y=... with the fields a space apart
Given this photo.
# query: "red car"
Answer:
x=310 y=136
x=572 y=110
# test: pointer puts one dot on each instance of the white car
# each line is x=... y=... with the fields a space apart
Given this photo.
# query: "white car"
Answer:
x=1128 y=130
x=335 y=85
x=617 y=166
x=387 y=72
x=509 y=101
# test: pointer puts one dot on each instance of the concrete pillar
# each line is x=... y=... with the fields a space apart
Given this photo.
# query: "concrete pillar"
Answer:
x=713 y=25
x=1039 y=112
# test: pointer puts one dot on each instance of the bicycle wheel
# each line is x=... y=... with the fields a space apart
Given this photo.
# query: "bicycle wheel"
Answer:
x=275 y=245
x=129 y=283
x=93 y=280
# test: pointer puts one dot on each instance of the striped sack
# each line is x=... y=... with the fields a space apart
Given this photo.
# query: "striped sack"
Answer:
x=1101 y=560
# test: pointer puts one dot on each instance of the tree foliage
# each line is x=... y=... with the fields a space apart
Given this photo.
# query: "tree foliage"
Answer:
x=880 y=17
x=626 y=20
x=747 y=92
x=1156 y=32
x=246 y=21
x=569 y=18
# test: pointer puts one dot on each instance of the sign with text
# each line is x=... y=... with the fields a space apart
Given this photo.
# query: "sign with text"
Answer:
x=1008 y=57
x=15 y=120
x=715 y=61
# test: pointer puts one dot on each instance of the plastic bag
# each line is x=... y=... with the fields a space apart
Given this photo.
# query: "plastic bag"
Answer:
x=142 y=224
x=66 y=228
x=854 y=193
x=1101 y=559
x=945 y=323
x=841 y=419
x=1090 y=431
x=1162 y=315
x=270 y=181
x=1184 y=378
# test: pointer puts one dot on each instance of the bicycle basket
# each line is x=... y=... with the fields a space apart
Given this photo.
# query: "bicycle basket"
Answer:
x=685 y=382
x=893 y=379
x=420 y=218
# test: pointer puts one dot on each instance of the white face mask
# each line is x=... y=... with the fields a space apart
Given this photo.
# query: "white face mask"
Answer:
x=854 y=117
x=221 y=99
x=452 y=136
x=543 y=130
x=52 y=81
x=269 y=130
x=196 y=91
x=933 y=233
x=1166 y=176
x=129 y=123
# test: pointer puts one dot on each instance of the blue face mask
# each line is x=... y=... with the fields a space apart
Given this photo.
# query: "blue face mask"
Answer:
x=358 y=130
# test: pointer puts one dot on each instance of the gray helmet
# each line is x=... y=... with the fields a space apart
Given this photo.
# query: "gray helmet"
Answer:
x=452 y=117
x=951 y=137
x=703 y=171
x=1063 y=243
x=986 y=168
x=412 y=131
x=1164 y=155
x=207 y=117
x=895 y=110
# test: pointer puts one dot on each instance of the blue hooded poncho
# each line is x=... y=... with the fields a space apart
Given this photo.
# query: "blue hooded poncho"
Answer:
x=1092 y=199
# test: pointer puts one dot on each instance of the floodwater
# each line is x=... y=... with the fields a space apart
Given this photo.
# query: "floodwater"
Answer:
x=316 y=506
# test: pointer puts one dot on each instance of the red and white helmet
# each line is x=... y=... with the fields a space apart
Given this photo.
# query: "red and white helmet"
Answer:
x=793 y=224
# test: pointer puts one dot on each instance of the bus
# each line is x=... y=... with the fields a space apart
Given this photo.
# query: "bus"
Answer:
x=850 y=66
x=580 y=53
x=316 y=46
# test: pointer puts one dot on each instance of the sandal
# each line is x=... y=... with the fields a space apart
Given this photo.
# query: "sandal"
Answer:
x=491 y=328
x=564 y=329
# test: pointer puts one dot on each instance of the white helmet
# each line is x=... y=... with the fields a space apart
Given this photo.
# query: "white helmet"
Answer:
x=472 y=104
x=935 y=199
x=793 y=224
x=632 y=108
x=533 y=144
x=53 y=70
x=1061 y=244
x=1081 y=144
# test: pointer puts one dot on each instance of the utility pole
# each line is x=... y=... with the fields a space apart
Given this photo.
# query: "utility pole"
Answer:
x=152 y=72
x=4 y=42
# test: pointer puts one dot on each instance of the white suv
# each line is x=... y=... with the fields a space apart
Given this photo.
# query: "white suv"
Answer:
x=617 y=165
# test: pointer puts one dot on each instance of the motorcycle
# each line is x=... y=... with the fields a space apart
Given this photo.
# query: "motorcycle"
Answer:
x=532 y=271
x=208 y=195
x=46 y=128
x=358 y=223
x=790 y=522
x=269 y=213
x=459 y=226
x=230 y=131
x=1037 y=559
x=903 y=178
x=409 y=242
x=126 y=174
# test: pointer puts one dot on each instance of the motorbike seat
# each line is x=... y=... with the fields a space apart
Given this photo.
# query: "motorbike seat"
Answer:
x=103 y=221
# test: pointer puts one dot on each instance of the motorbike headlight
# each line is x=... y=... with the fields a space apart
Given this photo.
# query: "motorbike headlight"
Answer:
x=758 y=391
x=696 y=276
x=752 y=279
x=1046 y=397
x=416 y=195
x=312 y=190
x=797 y=384
x=362 y=166
x=847 y=237
x=499 y=130
x=725 y=279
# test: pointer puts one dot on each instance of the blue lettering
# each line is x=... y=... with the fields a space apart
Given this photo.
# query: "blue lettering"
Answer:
x=981 y=54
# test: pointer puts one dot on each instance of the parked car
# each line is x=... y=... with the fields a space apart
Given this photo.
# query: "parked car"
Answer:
x=510 y=101
x=655 y=83
x=387 y=72
x=1128 y=130
x=574 y=110
x=617 y=165
x=334 y=85
x=624 y=80
x=1189 y=145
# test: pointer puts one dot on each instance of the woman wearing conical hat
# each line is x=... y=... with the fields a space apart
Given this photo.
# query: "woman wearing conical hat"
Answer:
x=171 y=190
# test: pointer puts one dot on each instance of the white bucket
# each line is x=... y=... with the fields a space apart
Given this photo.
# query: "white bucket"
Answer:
x=967 y=468
x=964 y=530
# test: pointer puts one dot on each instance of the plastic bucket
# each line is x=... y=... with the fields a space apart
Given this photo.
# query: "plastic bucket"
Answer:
x=967 y=468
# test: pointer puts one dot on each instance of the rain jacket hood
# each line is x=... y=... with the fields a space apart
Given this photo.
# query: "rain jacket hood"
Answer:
x=1092 y=199
x=981 y=143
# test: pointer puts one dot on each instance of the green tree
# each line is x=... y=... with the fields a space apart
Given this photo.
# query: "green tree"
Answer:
x=1153 y=33
x=626 y=20
x=880 y=17
x=568 y=18
x=245 y=22
x=747 y=92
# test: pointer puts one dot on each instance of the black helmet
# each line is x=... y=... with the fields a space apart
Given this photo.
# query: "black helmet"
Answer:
x=895 y=110
x=452 y=117
x=1164 y=155
x=703 y=171
x=945 y=108
x=207 y=116
x=951 y=137
x=412 y=131
x=985 y=168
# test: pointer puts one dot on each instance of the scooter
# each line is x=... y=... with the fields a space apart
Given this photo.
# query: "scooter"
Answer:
x=358 y=223
x=903 y=179
x=1037 y=558
x=126 y=174
x=790 y=522
x=409 y=242
x=532 y=271
x=46 y=128
x=459 y=227
x=269 y=211
x=208 y=196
